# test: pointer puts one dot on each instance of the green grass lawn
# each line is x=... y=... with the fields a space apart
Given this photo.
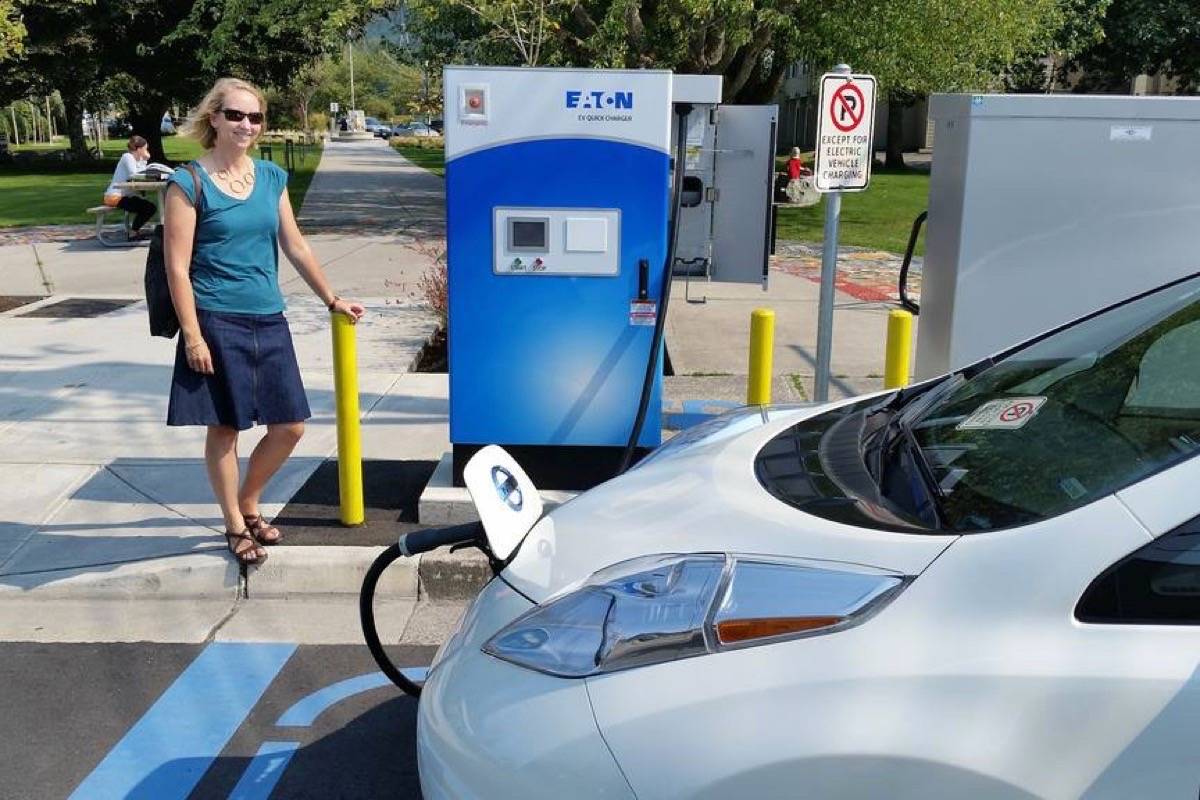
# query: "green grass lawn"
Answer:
x=28 y=197
x=430 y=158
x=880 y=218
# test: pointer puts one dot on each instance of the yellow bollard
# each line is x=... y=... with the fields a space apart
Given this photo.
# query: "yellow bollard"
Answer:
x=899 y=345
x=762 y=337
x=349 y=441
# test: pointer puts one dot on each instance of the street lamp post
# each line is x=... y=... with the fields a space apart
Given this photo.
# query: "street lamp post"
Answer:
x=353 y=104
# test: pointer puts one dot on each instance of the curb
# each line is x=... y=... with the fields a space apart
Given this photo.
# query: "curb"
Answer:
x=293 y=571
x=194 y=575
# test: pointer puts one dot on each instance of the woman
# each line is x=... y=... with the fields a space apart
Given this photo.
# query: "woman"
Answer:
x=131 y=164
x=235 y=365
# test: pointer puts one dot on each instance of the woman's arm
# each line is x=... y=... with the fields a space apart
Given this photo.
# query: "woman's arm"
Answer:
x=179 y=234
x=302 y=258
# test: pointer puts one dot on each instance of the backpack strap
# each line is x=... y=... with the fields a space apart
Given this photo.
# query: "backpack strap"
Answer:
x=198 y=190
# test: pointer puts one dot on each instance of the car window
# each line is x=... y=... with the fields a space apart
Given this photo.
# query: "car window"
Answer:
x=1157 y=585
x=1046 y=428
x=1071 y=418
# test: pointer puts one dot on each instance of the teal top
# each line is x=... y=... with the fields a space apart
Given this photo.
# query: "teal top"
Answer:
x=235 y=255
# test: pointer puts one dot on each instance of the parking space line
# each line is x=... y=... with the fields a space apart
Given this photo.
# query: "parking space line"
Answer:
x=260 y=777
x=166 y=753
x=305 y=711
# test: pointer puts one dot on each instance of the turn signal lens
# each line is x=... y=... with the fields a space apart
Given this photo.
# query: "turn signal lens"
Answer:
x=662 y=608
x=744 y=630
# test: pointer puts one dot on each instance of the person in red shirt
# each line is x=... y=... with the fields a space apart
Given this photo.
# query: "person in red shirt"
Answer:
x=799 y=190
x=795 y=166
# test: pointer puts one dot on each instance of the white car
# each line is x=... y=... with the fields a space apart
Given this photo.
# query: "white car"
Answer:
x=983 y=586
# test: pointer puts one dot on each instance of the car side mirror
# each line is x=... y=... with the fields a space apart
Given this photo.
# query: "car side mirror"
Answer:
x=506 y=499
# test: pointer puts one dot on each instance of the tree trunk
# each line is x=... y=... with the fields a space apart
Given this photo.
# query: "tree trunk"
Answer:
x=146 y=119
x=895 y=132
x=73 y=109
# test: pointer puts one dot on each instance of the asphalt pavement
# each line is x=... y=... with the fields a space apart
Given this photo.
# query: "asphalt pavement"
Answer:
x=147 y=721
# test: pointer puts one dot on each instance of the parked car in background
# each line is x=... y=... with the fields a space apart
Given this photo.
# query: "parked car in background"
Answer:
x=373 y=125
x=414 y=129
x=437 y=125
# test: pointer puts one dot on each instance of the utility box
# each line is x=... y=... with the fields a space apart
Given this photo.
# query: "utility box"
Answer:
x=1043 y=208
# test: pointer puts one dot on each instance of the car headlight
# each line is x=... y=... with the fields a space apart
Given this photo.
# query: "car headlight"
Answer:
x=666 y=607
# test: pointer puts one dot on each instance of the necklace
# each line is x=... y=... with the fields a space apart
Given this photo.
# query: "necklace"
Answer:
x=238 y=185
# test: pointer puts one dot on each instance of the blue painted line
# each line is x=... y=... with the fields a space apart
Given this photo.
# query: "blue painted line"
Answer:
x=306 y=710
x=164 y=755
x=259 y=779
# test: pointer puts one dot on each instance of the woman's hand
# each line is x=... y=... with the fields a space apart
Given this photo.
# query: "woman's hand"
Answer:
x=198 y=357
x=350 y=308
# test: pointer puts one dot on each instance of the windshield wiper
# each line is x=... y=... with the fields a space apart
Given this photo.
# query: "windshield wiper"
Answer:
x=933 y=491
x=907 y=403
x=876 y=445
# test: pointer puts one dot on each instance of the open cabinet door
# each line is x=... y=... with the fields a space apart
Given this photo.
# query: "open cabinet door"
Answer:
x=745 y=172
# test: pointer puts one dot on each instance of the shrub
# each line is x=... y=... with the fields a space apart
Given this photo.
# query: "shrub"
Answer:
x=433 y=285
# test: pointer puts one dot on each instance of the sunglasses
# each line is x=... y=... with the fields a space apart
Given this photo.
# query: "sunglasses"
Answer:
x=233 y=115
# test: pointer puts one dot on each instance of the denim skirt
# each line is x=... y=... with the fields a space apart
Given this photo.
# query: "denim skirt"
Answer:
x=255 y=376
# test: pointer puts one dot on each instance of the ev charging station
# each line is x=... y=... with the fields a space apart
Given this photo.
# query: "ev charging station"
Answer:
x=1043 y=208
x=559 y=218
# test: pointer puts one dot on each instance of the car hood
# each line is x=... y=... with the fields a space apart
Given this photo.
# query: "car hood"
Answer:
x=701 y=495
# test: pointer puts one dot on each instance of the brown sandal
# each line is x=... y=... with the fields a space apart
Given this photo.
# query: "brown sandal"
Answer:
x=249 y=556
x=263 y=532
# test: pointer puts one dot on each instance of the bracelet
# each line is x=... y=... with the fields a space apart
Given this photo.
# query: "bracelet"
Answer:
x=333 y=302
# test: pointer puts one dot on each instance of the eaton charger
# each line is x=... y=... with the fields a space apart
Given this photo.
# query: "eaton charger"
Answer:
x=557 y=187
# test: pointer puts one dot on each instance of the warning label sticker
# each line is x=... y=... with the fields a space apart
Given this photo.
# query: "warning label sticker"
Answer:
x=1009 y=413
x=643 y=312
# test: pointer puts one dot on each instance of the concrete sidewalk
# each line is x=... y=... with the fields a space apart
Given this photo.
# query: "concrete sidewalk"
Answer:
x=101 y=500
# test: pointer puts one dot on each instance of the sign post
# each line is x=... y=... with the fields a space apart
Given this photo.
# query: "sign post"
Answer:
x=845 y=126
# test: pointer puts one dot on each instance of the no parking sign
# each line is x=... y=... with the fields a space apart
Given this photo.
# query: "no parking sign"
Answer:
x=845 y=128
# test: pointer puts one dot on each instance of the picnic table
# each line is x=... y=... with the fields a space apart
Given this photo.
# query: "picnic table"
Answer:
x=143 y=188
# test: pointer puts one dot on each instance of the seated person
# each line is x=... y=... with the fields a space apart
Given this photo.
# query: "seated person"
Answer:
x=131 y=163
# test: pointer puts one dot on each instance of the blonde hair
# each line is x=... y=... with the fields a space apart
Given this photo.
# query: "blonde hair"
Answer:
x=199 y=125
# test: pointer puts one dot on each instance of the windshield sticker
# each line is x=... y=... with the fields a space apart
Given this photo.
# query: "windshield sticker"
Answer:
x=1008 y=414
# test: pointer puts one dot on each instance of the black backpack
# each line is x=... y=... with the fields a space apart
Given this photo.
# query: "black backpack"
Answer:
x=163 y=320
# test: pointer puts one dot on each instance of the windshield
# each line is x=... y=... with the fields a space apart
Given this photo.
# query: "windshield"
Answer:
x=1042 y=430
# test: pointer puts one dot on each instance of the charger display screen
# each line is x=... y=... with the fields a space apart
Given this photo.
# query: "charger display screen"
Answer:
x=527 y=234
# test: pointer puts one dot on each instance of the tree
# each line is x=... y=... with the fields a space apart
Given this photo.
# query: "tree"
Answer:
x=12 y=30
x=750 y=42
x=1044 y=70
x=159 y=53
x=526 y=25
x=60 y=52
x=1142 y=36
x=915 y=47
